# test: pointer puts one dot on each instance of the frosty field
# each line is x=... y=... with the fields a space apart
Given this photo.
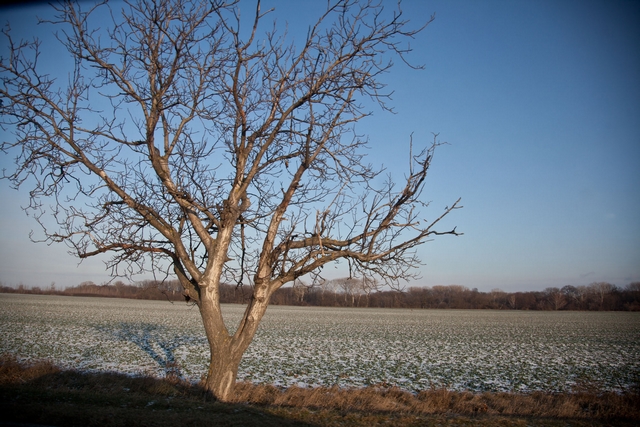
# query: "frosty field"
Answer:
x=310 y=346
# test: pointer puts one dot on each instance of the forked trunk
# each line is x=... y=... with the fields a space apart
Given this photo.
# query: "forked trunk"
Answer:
x=226 y=350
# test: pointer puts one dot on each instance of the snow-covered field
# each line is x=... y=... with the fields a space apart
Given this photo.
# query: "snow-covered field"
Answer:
x=414 y=349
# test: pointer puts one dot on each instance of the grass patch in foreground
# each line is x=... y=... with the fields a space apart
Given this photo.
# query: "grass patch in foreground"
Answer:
x=43 y=394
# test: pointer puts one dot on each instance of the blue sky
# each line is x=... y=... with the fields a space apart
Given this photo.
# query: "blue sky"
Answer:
x=540 y=104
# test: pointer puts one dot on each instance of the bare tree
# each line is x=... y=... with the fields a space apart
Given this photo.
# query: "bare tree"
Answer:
x=600 y=290
x=367 y=286
x=511 y=300
x=185 y=144
x=633 y=287
x=555 y=298
x=578 y=295
x=326 y=287
x=498 y=297
x=350 y=288
x=300 y=289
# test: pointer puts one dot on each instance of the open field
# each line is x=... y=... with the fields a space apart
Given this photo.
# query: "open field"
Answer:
x=415 y=350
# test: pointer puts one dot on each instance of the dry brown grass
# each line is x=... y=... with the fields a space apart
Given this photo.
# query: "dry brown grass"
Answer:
x=40 y=392
x=441 y=401
x=14 y=372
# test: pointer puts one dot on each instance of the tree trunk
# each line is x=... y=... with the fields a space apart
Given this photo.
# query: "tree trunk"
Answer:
x=226 y=351
x=221 y=377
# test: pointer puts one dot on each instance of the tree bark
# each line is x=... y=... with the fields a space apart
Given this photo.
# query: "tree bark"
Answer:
x=221 y=377
x=226 y=350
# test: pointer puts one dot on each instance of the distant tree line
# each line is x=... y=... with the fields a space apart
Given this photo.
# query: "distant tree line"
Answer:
x=147 y=289
x=354 y=293
x=347 y=292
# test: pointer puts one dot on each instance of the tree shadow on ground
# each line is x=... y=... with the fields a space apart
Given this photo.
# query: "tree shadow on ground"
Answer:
x=43 y=394
x=156 y=342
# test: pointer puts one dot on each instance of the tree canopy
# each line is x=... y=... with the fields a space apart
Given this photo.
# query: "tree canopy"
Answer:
x=184 y=142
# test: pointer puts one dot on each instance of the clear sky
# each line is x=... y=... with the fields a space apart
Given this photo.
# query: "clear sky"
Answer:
x=540 y=104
